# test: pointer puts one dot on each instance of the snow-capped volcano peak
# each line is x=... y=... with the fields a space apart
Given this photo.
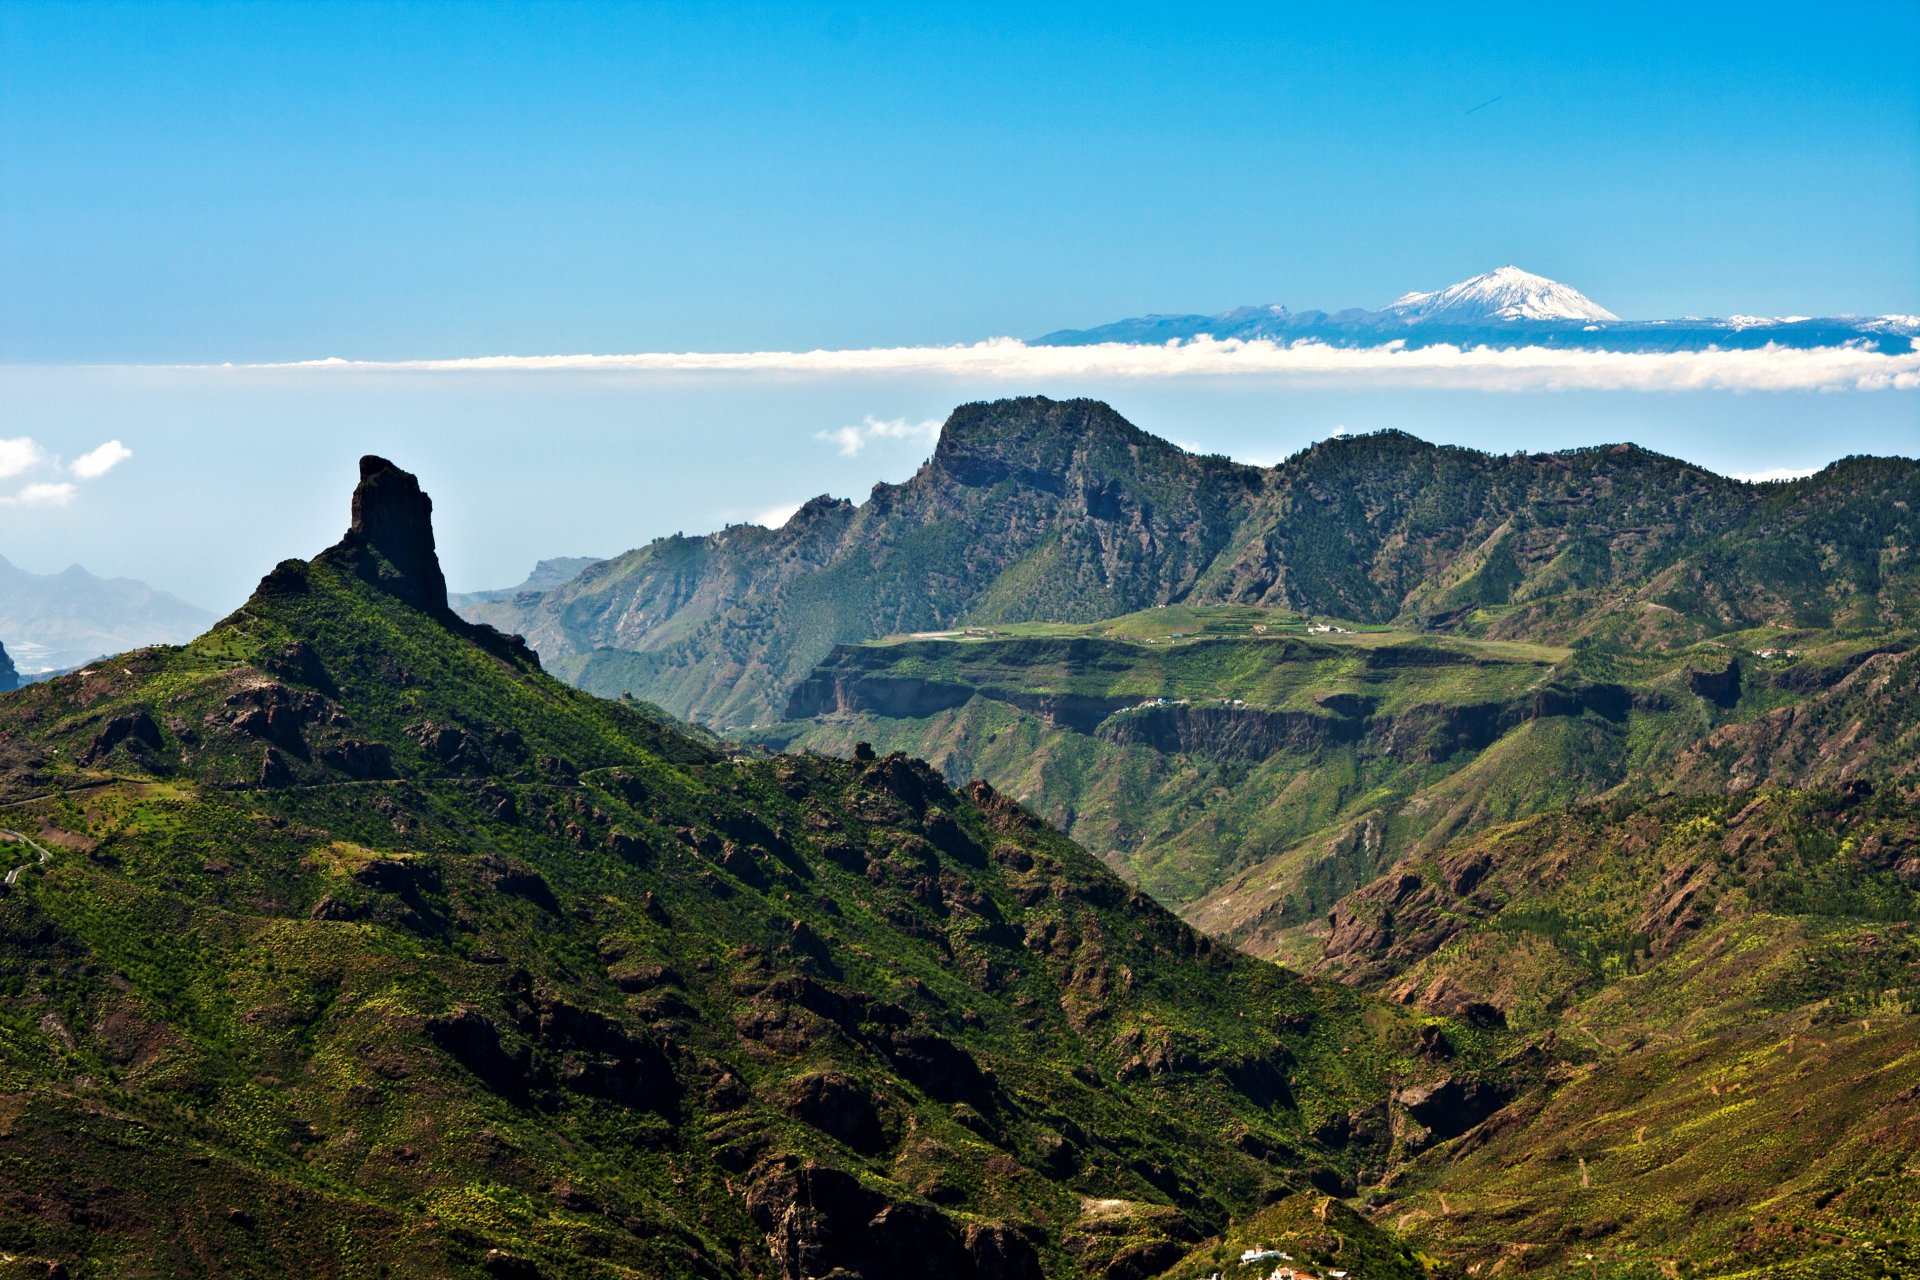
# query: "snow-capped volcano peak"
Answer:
x=1504 y=294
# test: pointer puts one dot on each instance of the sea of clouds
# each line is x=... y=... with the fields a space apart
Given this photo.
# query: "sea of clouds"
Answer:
x=1518 y=369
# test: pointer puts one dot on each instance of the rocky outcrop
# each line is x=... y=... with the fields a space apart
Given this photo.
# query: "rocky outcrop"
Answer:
x=834 y=1103
x=1429 y=734
x=820 y=1221
x=136 y=731
x=390 y=542
x=827 y=692
x=579 y=1050
x=1721 y=688
x=9 y=678
x=1446 y=1108
x=1677 y=907
x=1384 y=928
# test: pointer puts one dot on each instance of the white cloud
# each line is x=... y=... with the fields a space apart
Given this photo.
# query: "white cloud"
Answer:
x=97 y=462
x=1773 y=473
x=851 y=440
x=18 y=455
x=1770 y=368
x=55 y=494
x=775 y=516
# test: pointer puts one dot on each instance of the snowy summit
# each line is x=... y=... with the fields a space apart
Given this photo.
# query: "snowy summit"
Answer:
x=1507 y=293
x=1503 y=308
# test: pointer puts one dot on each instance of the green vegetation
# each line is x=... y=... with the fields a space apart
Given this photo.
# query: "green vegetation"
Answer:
x=367 y=949
x=1252 y=778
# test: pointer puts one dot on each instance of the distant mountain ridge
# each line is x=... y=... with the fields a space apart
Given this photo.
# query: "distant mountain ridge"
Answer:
x=1503 y=307
x=1043 y=510
x=547 y=574
x=54 y=621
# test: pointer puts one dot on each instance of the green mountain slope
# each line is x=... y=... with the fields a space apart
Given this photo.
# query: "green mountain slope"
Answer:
x=347 y=942
x=1252 y=777
x=1741 y=975
x=1036 y=510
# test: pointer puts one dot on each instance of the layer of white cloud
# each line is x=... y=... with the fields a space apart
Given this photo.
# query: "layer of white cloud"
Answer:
x=97 y=462
x=19 y=454
x=851 y=440
x=1772 y=474
x=1768 y=368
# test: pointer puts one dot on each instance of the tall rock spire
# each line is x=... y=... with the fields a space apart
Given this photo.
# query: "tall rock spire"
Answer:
x=391 y=541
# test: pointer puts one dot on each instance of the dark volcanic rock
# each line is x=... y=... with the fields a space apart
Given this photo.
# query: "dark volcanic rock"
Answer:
x=1721 y=688
x=390 y=545
x=1448 y=1108
x=1144 y=1260
x=137 y=731
x=473 y=1041
x=836 y=1104
x=820 y=1221
x=391 y=540
x=1229 y=733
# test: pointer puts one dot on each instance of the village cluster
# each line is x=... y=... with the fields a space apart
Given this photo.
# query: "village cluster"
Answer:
x=1283 y=1268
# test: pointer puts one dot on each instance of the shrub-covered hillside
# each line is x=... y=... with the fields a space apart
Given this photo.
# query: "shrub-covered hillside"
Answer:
x=348 y=943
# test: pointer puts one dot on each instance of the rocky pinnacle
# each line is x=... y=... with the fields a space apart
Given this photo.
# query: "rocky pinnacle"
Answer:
x=393 y=520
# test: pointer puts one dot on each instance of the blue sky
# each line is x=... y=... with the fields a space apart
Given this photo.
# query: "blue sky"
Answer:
x=202 y=183
x=239 y=182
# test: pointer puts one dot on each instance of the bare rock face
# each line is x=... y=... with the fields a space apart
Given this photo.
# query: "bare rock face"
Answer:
x=390 y=543
x=820 y=1221
x=9 y=678
x=1447 y=1108
x=836 y=1104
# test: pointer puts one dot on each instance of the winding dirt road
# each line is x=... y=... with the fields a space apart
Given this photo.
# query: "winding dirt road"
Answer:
x=13 y=876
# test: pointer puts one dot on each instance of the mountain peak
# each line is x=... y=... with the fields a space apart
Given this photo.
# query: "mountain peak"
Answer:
x=390 y=543
x=1505 y=293
x=1026 y=427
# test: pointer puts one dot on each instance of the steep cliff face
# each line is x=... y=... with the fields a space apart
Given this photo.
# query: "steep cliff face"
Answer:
x=921 y=681
x=9 y=678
